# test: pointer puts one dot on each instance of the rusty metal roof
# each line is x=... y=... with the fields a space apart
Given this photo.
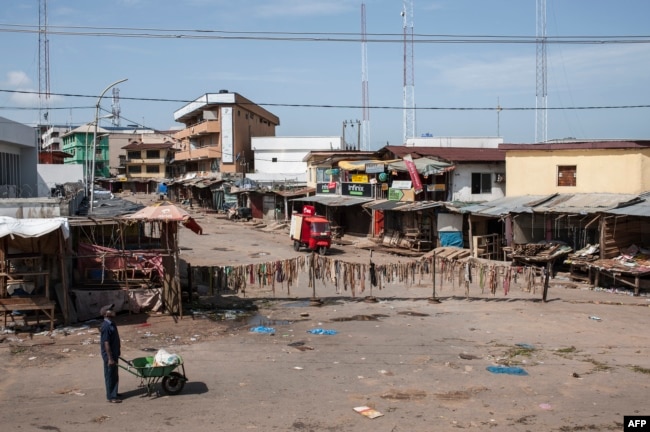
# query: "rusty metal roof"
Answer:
x=451 y=154
x=579 y=145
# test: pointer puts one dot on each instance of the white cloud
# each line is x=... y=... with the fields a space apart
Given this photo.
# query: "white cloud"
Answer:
x=17 y=79
x=304 y=8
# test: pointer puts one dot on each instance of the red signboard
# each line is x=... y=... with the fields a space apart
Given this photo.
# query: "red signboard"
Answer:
x=413 y=172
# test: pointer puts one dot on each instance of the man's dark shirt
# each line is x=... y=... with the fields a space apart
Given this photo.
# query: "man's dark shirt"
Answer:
x=109 y=333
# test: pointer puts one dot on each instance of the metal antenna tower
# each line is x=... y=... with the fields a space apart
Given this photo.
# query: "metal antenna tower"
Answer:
x=409 y=73
x=365 y=123
x=541 y=112
x=43 y=65
x=115 y=106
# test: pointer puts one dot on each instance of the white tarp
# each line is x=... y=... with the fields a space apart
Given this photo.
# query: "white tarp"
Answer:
x=32 y=227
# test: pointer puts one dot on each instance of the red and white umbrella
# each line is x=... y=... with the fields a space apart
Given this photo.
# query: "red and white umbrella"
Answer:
x=166 y=211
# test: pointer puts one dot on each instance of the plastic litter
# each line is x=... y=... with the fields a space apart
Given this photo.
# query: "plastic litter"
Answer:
x=262 y=329
x=595 y=318
x=320 y=331
x=525 y=346
x=509 y=370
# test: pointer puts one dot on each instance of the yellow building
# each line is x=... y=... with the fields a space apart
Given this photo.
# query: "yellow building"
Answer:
x=578 y=167
x=148 y=161
x=217 y=133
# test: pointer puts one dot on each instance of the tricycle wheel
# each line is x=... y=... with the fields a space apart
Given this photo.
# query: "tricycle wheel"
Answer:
x=322 y=250
x=296 y=245
x=173 y=383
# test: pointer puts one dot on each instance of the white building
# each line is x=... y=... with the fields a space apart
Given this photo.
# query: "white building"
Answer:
x=280 y=159
x=455 y=141
x=18 y=160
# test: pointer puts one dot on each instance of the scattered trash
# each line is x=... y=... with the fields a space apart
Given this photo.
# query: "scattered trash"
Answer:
x=509 y=370
x=525 y=346
x=262 y=329
x=297 y=368
x=595 y=318
x=575 y=375
x=468 y=356
x=32 y=358
x=304 y=314
x=545 y=406
x=320 y=331
x=368 y=412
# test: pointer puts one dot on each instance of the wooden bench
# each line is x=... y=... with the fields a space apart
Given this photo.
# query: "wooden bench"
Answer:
x=8 y=305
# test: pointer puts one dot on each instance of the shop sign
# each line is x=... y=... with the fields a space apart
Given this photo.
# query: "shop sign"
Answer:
x=374 y=168
x=326 y=188
x=401 y=184
x=356 y=189
x=359 y=178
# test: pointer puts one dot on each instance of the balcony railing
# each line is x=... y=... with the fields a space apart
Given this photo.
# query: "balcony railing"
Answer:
x=205 y=127
x=211 y=152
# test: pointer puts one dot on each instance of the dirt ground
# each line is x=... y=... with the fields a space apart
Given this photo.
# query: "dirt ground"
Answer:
x=422 y=365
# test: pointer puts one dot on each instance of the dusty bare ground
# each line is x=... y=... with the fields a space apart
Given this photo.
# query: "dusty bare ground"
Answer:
x=422 y=365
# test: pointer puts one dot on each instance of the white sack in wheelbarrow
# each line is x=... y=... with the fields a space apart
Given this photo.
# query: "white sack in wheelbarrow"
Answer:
x=163 y=358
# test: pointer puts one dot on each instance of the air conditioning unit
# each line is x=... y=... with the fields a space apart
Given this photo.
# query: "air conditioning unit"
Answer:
x=499 y=177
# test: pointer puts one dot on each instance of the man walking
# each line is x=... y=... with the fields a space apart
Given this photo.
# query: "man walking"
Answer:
x=110 y=348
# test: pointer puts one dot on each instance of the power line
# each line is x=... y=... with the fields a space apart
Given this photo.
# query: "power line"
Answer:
x=419 y=38
x=386 y=107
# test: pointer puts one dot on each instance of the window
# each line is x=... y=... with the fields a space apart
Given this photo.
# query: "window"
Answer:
x=153 y=169
x=481 y=183
x=135 y=169
x=274 y=159
x=566 y=175
x=153 y=154
x=133 y=155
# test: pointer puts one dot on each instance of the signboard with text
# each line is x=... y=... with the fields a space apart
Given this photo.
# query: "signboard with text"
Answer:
x=326 y=188
x=356 y=189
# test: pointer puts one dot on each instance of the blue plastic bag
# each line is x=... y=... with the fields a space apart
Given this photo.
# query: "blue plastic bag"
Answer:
x=509 y=370
x=320 y=331
x=262 y=329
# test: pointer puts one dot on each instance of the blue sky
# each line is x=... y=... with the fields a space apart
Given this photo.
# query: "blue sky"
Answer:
x=284 y=73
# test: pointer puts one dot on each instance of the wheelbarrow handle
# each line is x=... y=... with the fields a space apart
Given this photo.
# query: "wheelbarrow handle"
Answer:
x=126 y=361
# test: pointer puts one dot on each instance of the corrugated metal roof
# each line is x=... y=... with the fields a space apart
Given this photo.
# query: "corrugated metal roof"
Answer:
x=505 y=205
x=641 y=208
x=452 y=154
x=384 y=205
x=334 y=200
x=419 y=205
x=584 y=203
x=578 y=145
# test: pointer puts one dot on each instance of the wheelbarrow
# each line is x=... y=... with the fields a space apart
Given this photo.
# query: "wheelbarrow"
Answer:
x=171 y=381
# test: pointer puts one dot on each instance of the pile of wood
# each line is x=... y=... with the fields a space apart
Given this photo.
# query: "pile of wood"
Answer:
x=448 y=252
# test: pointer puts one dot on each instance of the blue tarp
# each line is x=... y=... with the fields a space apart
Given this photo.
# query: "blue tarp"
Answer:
x=451 y=238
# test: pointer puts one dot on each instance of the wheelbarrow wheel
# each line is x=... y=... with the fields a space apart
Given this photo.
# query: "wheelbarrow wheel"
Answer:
x=173 y=383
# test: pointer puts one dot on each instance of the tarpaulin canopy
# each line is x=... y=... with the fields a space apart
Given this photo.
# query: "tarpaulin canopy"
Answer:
x=32 y=227
x=166 y=211
x=359 y=165
x=424 y=166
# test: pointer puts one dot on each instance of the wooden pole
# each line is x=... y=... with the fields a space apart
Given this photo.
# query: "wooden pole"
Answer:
x=549 y=267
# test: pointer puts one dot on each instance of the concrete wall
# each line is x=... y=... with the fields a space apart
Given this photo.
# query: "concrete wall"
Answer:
x=288 y=153
x=462 y=182
x=28 y=208
x=51 y=175
x=17 y=138
x=601 y=171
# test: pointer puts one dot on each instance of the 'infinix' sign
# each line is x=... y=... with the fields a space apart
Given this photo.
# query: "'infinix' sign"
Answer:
x=356 y=189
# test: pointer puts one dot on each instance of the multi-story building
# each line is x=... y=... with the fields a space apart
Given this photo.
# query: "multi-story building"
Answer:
x=578 y=167
x=148 y=160
x=78 y=143
x=217 y=134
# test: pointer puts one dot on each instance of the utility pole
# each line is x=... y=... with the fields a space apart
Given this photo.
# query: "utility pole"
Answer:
x=409 y=73
x=541 y=114
x=365 y=110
